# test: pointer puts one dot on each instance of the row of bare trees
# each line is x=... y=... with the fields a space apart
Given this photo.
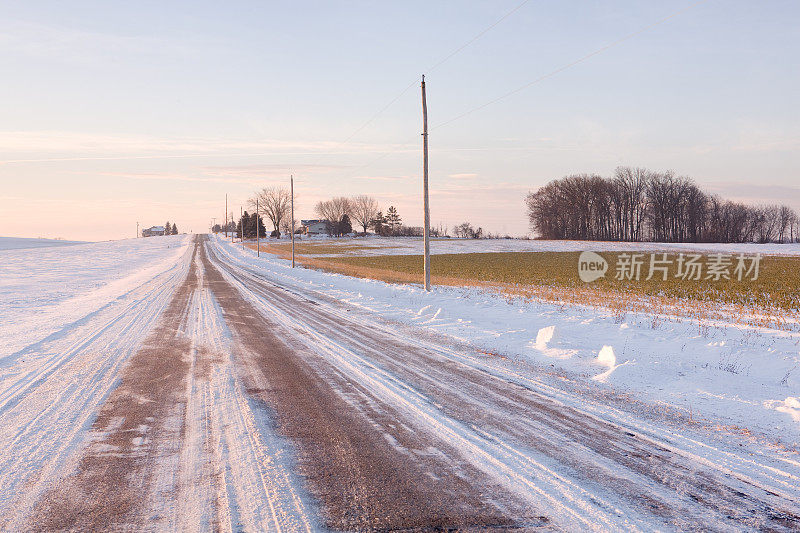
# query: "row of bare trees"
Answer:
x=341 y=211
x=274 y=203
x=638 y=204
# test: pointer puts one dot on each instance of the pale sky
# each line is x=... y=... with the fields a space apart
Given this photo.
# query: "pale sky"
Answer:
x=118 y=112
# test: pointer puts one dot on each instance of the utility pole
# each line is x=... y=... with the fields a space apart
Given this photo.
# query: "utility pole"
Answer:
x=427 y=229
x=226 y=215
x=258 y=241
x=291 y=193
x=241 y=225
x=137 y=229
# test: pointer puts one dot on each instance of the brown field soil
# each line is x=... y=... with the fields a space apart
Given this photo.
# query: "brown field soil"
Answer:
x=772 y=300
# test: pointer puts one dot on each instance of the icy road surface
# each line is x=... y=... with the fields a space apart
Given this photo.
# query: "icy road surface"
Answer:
x=197 y=390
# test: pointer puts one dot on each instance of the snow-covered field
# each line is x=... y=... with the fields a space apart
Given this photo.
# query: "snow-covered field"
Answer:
x=42 y=290
x=372 y=245
x=724 y=374
x=20 y=243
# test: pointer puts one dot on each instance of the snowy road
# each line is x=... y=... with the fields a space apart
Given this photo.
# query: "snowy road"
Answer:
x=258 y=404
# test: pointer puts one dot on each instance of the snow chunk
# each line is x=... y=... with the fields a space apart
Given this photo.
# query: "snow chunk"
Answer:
x=790 y=406
x=546 y=337
x=607 y=357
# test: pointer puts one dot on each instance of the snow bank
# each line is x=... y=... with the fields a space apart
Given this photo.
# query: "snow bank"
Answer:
x=723 y=372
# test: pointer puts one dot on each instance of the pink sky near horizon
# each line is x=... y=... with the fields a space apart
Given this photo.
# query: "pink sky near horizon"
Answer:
x=118 y=114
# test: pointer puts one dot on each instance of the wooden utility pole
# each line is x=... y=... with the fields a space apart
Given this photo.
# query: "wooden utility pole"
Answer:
x=226 y=217
x=291 y=193
x=258 y=241
x=241 y=225
x=427 y=228
x=137 y=230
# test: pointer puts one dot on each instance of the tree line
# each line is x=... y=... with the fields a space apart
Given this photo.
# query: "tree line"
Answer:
x=170 y=229
x=637 y=204
x=340 y=213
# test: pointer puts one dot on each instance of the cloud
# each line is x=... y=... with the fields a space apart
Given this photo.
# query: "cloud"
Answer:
x=269 y=171
x=258 y=175
x=756 y=193
x=381 y=178
x=462 y=176
x=162 y=176
x=56 y=146
x=86 y=48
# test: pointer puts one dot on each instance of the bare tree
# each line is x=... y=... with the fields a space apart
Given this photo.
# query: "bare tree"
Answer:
x=333 y=210
x=631 y=185
x=364 y=209
x=786 y=216
x=794 y=226
x=466 y=231
x=768 y=219
x=273 y=202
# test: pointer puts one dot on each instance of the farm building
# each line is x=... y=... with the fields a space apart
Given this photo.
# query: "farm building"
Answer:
x=314 y=227
x=153 y=231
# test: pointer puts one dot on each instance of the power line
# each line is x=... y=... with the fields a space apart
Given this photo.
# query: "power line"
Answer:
x=572 y=64
x=436 y=65
x=481 y=34
x=549 y=74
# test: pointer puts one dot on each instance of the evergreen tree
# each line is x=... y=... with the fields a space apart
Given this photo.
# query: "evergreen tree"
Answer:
x=244 y=226
x=393 y=220
x=174 y=229
x=250 y=226
x=345 y=226
x=262 y=230
x=167 y=228
x=378 y=224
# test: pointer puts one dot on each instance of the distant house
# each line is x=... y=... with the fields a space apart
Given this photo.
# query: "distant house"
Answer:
x=314 y=227
x=153 y=232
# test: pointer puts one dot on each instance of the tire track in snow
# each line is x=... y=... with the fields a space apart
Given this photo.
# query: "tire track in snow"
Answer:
x=229 y=455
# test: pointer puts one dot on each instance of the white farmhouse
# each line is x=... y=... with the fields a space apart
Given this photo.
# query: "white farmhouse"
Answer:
x=314 y=227
x=153 y=231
